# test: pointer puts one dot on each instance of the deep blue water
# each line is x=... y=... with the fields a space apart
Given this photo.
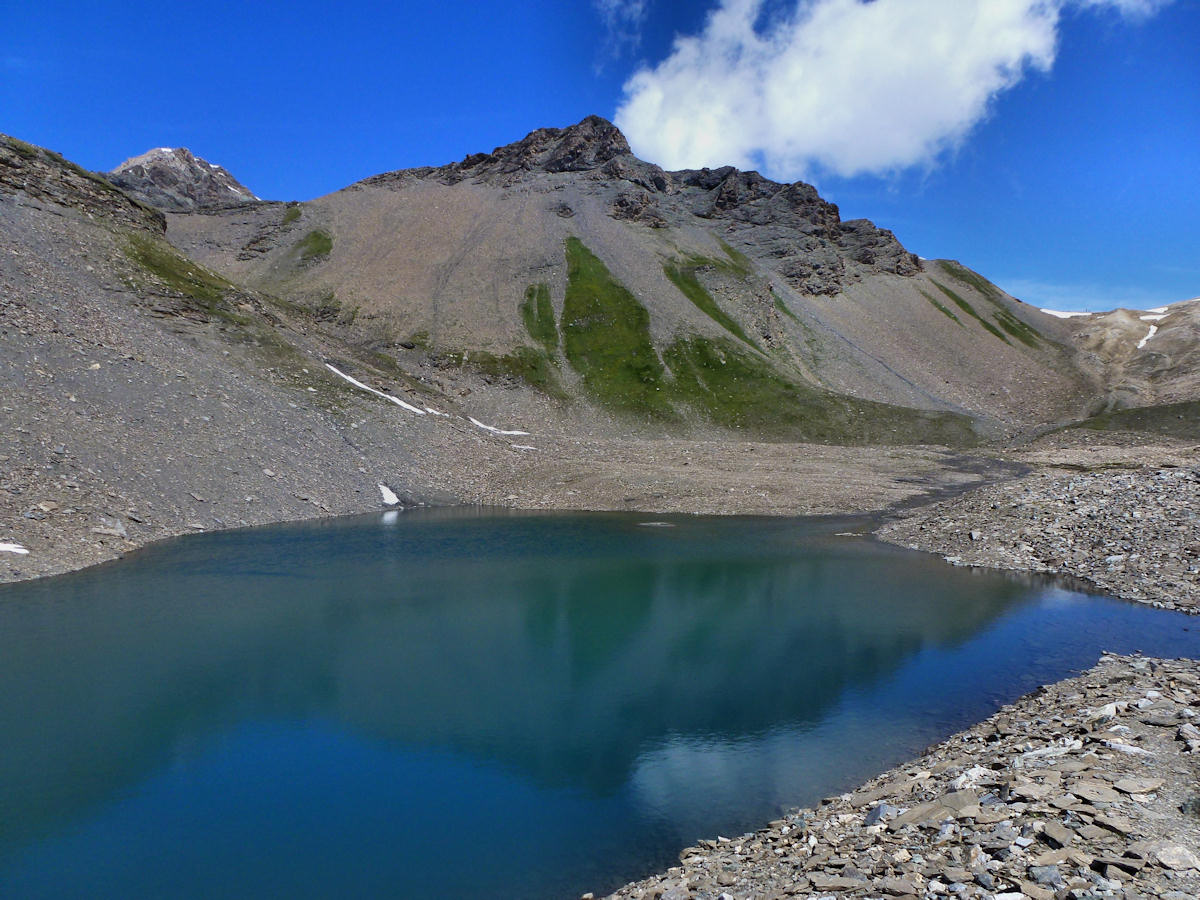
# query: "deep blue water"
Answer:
x=454 y=703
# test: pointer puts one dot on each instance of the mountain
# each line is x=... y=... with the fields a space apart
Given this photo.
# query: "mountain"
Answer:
x=746 y=304
x=175 y=180
x=554 y=324
x=144 y=395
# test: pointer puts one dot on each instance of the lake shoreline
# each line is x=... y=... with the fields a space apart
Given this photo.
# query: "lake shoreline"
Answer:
x=1127 y=527
x=1086 y=787
x=1013 y=508
x=65 y=528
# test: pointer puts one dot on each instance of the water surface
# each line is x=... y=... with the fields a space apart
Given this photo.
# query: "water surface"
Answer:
x=454 y=703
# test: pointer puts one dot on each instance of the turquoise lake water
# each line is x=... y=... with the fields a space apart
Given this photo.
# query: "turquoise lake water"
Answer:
x=455 y=703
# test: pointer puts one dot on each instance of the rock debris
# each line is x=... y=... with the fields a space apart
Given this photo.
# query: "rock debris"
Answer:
x=1088 y=788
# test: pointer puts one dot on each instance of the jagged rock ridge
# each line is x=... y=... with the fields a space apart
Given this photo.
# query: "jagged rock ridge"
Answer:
x=804 y=235
x=174 y=180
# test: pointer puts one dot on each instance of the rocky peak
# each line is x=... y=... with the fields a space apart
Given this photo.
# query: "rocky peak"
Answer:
x=173 y=179
x=579 y=148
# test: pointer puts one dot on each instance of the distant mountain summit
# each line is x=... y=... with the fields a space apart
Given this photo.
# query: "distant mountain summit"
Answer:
x=174 y=180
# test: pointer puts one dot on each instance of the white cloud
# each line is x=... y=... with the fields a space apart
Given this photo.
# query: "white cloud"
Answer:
x=1133 y=8
x=623 y=20
x=842 y=85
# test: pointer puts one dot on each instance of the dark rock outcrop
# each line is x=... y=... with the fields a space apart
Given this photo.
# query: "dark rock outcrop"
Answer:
x=173 y=180
x=45 y=176
x=579 y=148
x=793 y=225
x=790 y=225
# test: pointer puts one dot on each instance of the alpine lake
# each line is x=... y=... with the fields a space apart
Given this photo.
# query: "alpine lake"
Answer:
x=464 y=702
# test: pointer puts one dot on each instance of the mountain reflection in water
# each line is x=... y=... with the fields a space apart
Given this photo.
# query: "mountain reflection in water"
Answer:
x=633 y=688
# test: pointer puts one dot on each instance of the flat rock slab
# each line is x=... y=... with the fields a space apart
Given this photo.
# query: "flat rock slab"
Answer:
x=1175 y=856
x=1138 y=785
x=1094 y=792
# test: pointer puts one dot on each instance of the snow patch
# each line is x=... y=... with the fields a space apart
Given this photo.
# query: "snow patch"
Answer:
x=396 y=400
x=434 y=412
x=13 y=548
x=388 y=495
x=1142 y=343
x=492 y=429
x=1154 y=318
x=1059 y=314
x=1162 y=309
x=523 y=447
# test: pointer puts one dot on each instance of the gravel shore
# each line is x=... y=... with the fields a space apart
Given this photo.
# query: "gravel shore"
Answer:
x=1087 y=788
x=1133 y=533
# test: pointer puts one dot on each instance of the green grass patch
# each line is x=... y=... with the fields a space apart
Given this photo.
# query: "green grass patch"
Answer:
x=1008 y=321
x=291 y=215
x=683 y=276
x=314 y=246
x=740 y=262
x=606 y=338
x=529 y=364
x=970 y=311
x=538 y=314
x=1022 y=331
x=941 y=307
x=782 y=307
x=95 y=177
x=974 y=279
x=180 y=275
x=22 y=148
x=736 y=389
x=1181 y=420
x=739 y=390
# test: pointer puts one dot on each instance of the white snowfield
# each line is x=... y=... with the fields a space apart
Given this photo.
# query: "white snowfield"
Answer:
x=1060 y=314
x=13 y=548
x=388 y=495
x=1153 y=330
x=359 y=384
x=493 y=429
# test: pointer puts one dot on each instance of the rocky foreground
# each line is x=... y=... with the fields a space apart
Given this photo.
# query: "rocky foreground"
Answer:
x=1087 y=788
x=1134 y=533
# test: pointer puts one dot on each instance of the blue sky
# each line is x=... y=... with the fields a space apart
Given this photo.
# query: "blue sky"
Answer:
x=1054 y=146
